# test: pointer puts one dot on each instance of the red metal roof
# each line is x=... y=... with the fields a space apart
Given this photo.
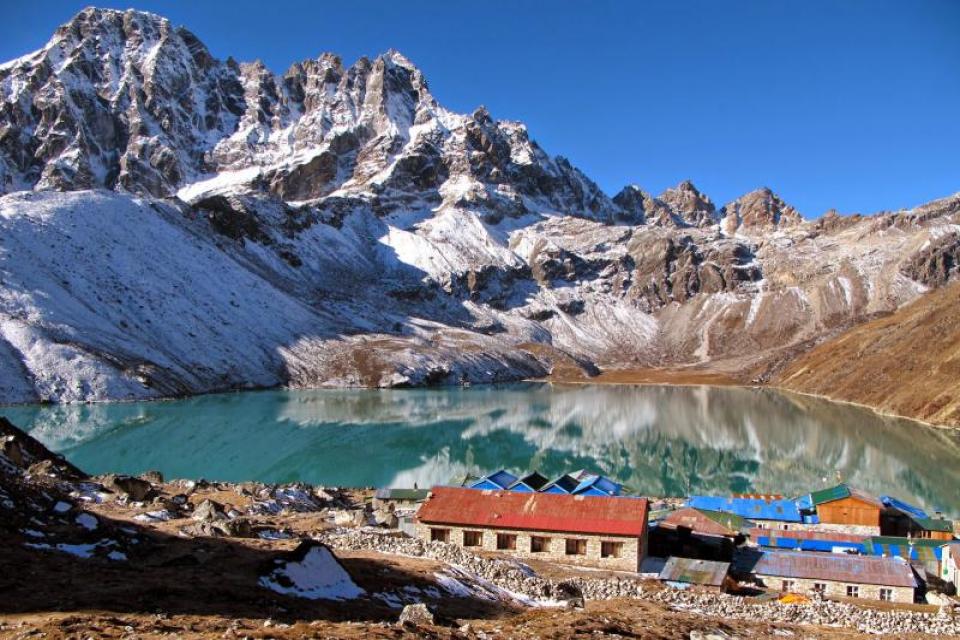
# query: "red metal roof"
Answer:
x=593 y=515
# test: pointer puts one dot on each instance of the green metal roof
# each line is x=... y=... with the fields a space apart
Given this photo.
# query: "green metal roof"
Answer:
x=729 y=520
x=829 y=495
x=843 y=491
x=904 y=542
x=934 y=524
x=412 y=495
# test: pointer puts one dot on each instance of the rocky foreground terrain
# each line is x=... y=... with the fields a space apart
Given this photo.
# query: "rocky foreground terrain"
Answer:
x=118 y=557
x=177 y=224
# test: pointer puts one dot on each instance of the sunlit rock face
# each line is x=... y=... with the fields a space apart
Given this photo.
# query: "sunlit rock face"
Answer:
x=176 y=224
x=657 y=440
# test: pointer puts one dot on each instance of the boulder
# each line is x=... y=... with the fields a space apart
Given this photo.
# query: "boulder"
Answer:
x=386 y=518
x=236 y=528
x=153 y=477
x=209 y=511
x=134 y=489
x=347 y=518
x=415 y=615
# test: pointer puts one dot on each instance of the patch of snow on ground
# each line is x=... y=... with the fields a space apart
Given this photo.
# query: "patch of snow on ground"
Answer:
x=319 y=575
x=154 y=516
x=87 y=521
x=453 y=586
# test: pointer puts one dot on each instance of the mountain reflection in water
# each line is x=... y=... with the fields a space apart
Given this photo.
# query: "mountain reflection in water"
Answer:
x=657 y=440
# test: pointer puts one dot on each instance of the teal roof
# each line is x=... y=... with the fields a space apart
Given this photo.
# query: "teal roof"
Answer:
x=829 y=495
x=934 y=524
x=729 y=520
x=842 y=491
x=413 y=495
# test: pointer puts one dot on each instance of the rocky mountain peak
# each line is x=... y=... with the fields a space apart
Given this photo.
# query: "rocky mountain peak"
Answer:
x=761 y=209
x=688 y=206
x=115 y=99
x=132 y=103
x=635 y=203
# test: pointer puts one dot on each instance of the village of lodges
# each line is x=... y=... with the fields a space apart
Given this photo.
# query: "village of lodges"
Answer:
x=838 y=542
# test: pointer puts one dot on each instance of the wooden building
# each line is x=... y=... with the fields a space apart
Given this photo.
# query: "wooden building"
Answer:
x=602 y=532
x=843 y=505
x=930 y=528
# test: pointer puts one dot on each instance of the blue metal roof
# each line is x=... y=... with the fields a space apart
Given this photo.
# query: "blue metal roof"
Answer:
x=900 y=505
x=598 y=485
x=780 y=542
x=529 y=483
x=563 y=484
x=486 y=485
x=497 y=480
x=781 y=510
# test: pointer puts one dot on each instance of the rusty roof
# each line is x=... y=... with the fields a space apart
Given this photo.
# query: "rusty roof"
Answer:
x=705 y=521
x=888 y=572
x=693 y=571
x=799 y=534
x=595 y=515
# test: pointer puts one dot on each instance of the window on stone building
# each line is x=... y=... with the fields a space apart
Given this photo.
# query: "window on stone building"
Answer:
x=611 y=549
x=576 y=547
x=820 y=587
x=472 y=538
x=886 y=594
x=787 y=585
x=440 y=535
x=853 y=591
x=785 y=527
x=507 y=541
x=539 y=544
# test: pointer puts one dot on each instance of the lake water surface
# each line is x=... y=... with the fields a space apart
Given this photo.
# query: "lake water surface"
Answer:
x=657 y=440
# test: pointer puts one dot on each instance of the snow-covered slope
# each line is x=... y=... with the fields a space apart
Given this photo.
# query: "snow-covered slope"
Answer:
x=177 y=224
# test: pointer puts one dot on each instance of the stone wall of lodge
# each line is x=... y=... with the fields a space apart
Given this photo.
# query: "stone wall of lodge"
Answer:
x=835 y=589
x=630 y=555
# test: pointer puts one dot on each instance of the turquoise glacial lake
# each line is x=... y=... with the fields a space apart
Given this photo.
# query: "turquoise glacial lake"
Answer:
x=657 y=440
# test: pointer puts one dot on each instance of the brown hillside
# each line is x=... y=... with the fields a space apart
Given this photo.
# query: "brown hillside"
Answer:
x=907 y=363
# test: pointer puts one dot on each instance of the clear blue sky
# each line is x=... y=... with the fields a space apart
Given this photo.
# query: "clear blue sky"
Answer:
x=853 y=104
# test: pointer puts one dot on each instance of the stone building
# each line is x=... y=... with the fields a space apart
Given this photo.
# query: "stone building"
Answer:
x=399 y=498
x=830 y=574
x=602 y=532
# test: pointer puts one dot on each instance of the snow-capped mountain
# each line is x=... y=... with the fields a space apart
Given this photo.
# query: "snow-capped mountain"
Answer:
x=174 y=223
